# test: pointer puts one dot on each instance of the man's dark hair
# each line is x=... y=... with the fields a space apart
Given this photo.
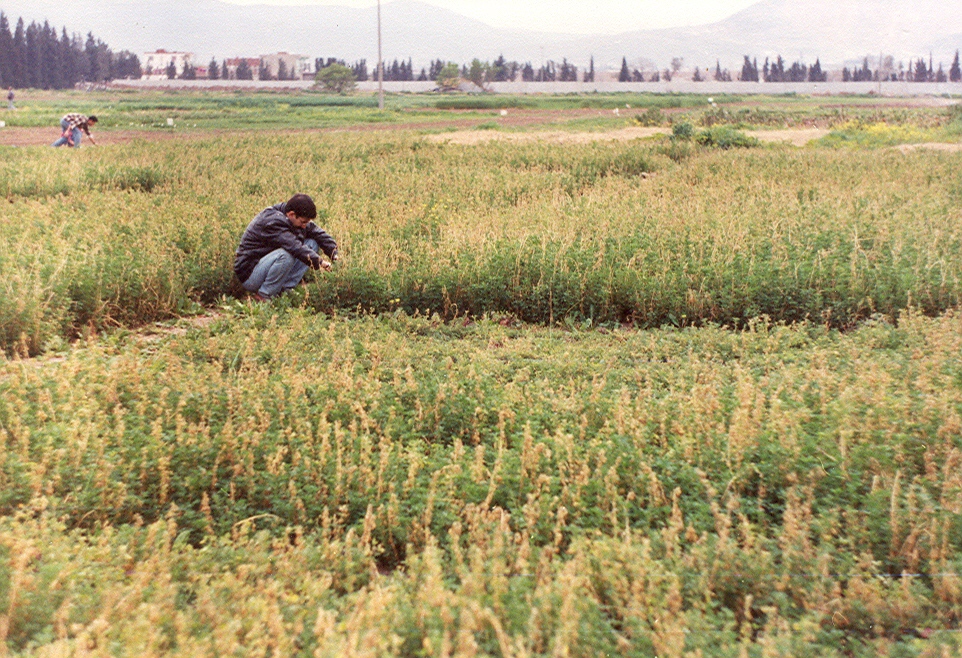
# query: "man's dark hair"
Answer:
x=302 y=205
x=92 y=119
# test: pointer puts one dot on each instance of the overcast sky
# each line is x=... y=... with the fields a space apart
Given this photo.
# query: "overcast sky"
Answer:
x=571 y=16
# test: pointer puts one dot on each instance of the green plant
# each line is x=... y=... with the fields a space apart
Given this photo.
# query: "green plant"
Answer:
x=336 y=78
x=682 y=130
x=725 y=137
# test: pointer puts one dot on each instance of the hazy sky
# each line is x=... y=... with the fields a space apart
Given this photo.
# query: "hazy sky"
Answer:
x=571 y=16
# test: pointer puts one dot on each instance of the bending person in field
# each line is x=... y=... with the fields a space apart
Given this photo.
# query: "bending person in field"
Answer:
x=279 y=245
x=72 y=126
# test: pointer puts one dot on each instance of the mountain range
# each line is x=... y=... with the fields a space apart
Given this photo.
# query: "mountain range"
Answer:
x=836 y=32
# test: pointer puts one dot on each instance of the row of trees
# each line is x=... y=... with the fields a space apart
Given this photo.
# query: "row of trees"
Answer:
x=501 y=70
x=918 y=71
x=335 y=74
x=777 y=71
x=37 y=56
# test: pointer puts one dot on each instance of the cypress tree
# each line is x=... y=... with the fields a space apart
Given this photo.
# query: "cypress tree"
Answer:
x=51 y=66
x=6 y=53
x=360 y=70
x=125 y=64
x=625 y=74
x=35 y=56
x=213 y=71
x=34 y=78
x=244 y=71
x=98 y=58
x=815 y=73
x=20 y=55
x=68 y=62
x=955 y=72
x=499 y=70
x=921 y=71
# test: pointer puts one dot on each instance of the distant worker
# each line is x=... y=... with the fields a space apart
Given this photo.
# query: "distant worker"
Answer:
x=280 y=243
x=10 y=99
x=72 y=125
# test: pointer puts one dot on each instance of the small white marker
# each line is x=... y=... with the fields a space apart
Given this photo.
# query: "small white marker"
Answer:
x=170 y=122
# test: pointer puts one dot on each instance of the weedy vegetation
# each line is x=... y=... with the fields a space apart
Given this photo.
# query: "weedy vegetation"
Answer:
x=664 y=397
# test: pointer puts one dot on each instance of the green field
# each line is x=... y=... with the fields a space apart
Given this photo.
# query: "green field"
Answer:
x=686 y=395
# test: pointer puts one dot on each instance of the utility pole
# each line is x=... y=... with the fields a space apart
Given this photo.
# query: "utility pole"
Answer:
x=380 y=62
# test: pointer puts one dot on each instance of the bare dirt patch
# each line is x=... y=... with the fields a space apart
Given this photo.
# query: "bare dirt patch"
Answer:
x=931 y=146
x=797 y=136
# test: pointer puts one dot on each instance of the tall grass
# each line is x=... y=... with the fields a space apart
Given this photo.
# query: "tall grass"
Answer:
x=639 y=232
x=441 y=478
x=304 y=485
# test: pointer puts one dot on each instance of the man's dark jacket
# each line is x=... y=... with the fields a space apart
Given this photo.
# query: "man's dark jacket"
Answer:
x=271 y=230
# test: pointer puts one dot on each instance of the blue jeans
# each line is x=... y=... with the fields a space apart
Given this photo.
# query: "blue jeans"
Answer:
x=278 y=271
x=75 y=134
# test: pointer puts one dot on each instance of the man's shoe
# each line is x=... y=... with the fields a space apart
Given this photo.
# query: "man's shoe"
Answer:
x=260 y=298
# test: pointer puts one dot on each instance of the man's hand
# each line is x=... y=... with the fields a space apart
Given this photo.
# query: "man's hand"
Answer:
x=318 y=263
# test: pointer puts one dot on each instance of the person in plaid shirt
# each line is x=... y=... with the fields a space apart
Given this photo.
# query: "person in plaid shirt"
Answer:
x=71 y=125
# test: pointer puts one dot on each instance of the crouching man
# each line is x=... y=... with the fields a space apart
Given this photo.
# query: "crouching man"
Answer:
x=279 y=245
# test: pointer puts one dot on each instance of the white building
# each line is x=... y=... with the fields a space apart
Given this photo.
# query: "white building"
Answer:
x=154 y=65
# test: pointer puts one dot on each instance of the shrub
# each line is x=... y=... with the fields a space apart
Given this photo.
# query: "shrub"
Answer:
x=725 y=137
x=683 y=130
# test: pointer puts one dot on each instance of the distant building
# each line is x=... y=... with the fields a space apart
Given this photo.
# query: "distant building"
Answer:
x=155 y=64
x=294 y=67
x=232 y=64
x=306 y=68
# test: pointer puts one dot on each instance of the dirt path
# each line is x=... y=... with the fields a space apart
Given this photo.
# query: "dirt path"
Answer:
x=932 y=146
x=798 y=137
